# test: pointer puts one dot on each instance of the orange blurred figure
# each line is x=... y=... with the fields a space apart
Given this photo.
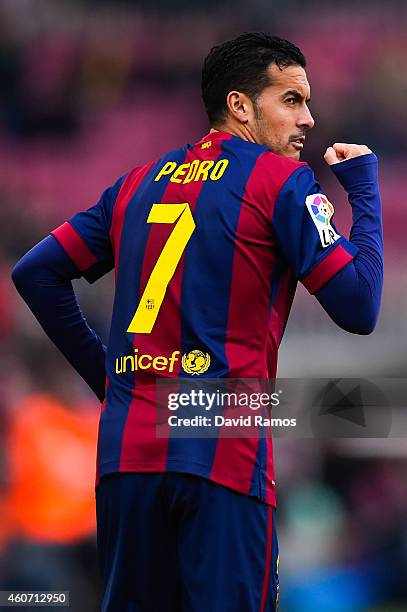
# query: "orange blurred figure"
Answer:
x=51 y=459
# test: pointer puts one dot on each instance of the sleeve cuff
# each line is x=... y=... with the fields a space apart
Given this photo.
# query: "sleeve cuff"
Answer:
x=74 y=246
x=337 y=259
x=352 y=172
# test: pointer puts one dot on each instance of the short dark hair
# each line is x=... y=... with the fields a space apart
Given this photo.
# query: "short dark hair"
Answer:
x=241 y=64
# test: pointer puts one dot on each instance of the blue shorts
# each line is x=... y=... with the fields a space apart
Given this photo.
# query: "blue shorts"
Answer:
x=180 y=543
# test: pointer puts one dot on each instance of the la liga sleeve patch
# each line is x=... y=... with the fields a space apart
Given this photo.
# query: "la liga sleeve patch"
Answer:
x=322 y=211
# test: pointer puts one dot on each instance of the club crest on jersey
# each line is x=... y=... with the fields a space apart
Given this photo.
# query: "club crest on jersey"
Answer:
x=322 y=211
x=195 y=362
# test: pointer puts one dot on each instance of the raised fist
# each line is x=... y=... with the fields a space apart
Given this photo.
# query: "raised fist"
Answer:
x=342 y=150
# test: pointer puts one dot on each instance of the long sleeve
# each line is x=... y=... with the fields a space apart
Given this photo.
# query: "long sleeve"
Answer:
x=352 y=297
x=345 y=275
x=43 y=279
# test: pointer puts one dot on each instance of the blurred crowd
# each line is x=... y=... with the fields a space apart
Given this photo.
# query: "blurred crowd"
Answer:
x=88 y=91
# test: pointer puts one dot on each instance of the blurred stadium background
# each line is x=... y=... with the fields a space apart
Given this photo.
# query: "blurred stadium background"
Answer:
x=87 y=91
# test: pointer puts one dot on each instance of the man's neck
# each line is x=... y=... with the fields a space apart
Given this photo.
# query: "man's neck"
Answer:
x=241 y=131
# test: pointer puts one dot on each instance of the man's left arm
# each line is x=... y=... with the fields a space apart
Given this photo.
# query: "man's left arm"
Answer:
x=43 y=279
x=79 y=247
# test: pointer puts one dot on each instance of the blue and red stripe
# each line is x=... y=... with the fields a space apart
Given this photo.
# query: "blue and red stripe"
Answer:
x=129 y=221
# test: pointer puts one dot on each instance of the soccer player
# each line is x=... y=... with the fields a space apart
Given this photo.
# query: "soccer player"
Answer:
x=207 y=243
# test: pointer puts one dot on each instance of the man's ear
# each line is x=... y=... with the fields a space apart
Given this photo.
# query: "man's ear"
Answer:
x=240 y=106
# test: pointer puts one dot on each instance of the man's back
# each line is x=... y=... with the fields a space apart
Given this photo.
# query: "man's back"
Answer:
x=195 y=256
x=202 y=289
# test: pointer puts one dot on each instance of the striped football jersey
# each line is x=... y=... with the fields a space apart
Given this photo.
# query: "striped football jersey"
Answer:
x=207 y=244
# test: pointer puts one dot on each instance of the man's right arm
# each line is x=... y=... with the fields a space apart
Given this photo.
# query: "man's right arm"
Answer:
x=346 y=276
x=352 y=297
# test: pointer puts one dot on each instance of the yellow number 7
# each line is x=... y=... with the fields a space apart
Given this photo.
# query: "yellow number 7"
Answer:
x=163 y=271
